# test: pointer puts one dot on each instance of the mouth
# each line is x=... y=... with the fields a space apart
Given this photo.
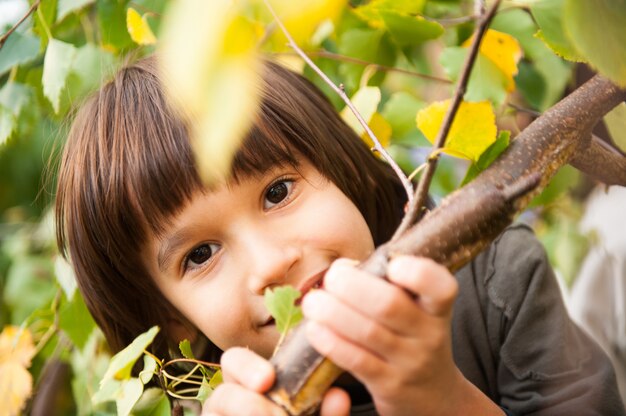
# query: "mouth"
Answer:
x=314 y=282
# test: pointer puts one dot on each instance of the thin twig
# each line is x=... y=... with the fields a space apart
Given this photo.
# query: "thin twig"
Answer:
x=524 y=110
x=415 y=212
x=453 y=21
x=349 y=59
x=408 y=187
x=15 y=26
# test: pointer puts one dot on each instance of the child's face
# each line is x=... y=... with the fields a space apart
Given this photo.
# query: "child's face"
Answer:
x=226 y=246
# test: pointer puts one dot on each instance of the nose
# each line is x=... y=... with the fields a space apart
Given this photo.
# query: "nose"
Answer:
x=271 y=259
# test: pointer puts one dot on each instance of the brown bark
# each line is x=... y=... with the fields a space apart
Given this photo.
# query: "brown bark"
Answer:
x=470 y=218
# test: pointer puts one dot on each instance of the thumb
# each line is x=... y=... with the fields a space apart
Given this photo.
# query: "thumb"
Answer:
x=336 y=402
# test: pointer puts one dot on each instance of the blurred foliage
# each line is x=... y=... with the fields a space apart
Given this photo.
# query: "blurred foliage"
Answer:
x=393 y=57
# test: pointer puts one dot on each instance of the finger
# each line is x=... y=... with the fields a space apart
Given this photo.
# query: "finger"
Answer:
x=242 y=366
x=236 y=400
x=435 y=286
x=376 y=298
x=336 y=403
x=324 y=308
x=358 y=361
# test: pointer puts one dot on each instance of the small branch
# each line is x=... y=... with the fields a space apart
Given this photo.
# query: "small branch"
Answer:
x=453 y=21
x=28 y=13
x=377 y=145
x=349 y=59
x=524 y=110
x=415 y=212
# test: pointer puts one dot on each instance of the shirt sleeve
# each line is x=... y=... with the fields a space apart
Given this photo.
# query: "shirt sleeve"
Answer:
x=545 y=365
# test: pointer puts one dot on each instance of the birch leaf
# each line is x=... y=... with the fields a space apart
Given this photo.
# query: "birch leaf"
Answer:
x=56 y=67
x=473 y=130
x=128 y=396
x=16 y=383
x=503 y=50
x=123 y=361
x=217 y=83
x=281 y=303
x=138 y=28
x=366 y=102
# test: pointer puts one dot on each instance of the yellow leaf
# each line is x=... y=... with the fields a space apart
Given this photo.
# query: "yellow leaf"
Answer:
x=473 y=131
x=302 y=18
x=216 y=84
x=16 y=352
x=366 y=102
x=138 y=28
x=503 y=50
x=16 y=344
x=381 y=129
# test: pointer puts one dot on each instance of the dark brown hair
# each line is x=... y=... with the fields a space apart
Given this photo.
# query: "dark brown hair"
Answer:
x=127 y=167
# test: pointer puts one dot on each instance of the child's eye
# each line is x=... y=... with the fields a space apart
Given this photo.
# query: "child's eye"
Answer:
x=200 y=255
x=277 y=193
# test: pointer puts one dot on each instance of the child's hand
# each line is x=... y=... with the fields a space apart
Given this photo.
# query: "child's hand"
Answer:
x=398 y=346
x=246 y=377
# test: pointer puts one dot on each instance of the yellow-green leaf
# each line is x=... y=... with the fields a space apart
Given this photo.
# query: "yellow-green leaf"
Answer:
x=281 y=303
x=473 y=130
x=366 y=102
x=217 y=84
x=138 y=28
x=381 y=129
x=503 y=50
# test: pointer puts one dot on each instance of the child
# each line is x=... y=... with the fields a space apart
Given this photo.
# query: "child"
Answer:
x=151 y=245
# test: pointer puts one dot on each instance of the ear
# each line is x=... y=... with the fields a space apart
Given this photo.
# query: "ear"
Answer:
x=179 y=330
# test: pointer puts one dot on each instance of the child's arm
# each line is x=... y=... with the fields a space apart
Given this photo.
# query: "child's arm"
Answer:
x=246 y=377
x=398 y=346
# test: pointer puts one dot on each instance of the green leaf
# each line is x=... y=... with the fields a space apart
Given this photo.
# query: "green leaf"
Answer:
x=149 y=368
x=369 y=45
x=488 y=156
x=18 y=49
x=7 y=125
x=66 y=7
x=281 y=303
x=185 y=349
x=128 y=396
x=112 y=23
x=487 y=81
x=400 y=111
x=153 y=402
x=216 y=380
x=28 y=286
x=56 y=67
x=531 y=84
x=92 y=65
x=598 y=30
x=410 y=30
x=204 y=391
x=122 y=362
x=107 y=392
x=75 y=321
x=549 y=16
x=15 y=96
x=48 y=10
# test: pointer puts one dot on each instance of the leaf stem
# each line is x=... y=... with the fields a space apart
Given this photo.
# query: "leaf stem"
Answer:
x=339 y=90
x=4 y=37
x=42 y=19
x=415 y=209
x=343 y=58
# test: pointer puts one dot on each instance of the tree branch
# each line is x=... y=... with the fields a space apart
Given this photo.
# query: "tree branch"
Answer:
x=414 y=211
x=4 y=37
x=463 y=224
x=339 y=90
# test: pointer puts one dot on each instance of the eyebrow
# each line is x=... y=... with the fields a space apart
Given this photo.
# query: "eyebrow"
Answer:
x=170 y=246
